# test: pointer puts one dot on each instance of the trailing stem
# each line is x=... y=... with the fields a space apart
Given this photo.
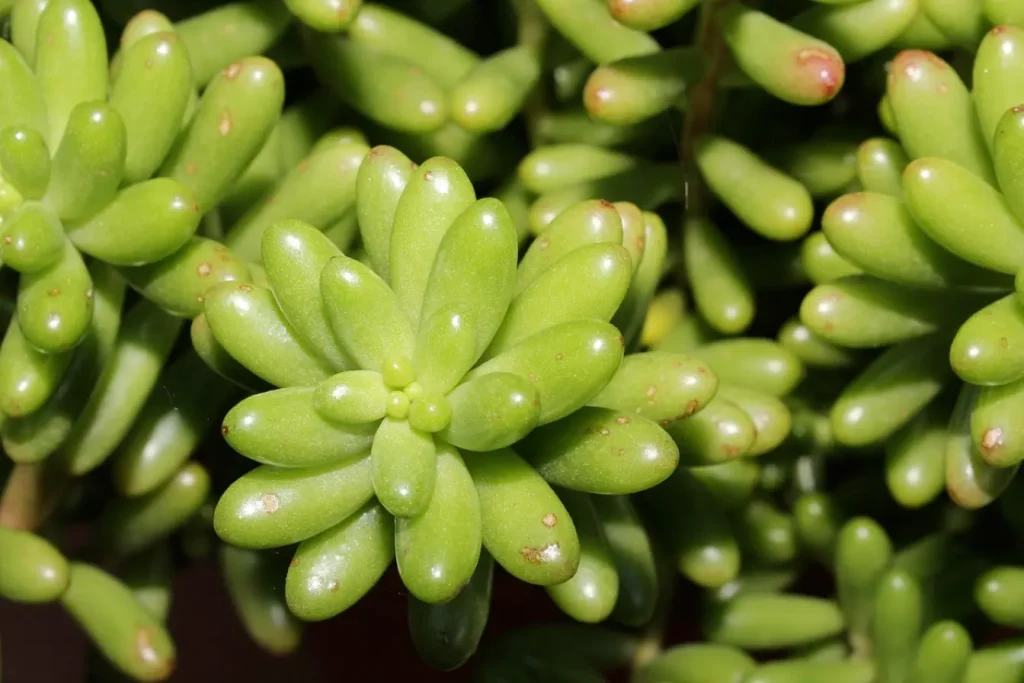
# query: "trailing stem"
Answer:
x=31 y=494
x=700 y=111
x=532 y=31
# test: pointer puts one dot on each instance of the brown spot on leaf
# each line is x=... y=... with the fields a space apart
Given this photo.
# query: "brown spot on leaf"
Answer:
x=224 y=124
x=549 y=520
x=824 y=69
x=620 y=8
x=595 y=94
x=270 y=503
x=204 y=269
x=536 y=555
x=992 y=438
x=147 y=654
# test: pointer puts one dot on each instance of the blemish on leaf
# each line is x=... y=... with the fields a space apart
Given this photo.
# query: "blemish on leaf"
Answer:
x=825 y=67
x=224 y=429
x=144 y=646
x=540 y=555
x=224 y=124
x=992 y=438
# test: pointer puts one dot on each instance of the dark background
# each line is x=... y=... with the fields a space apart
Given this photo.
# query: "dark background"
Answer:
x=41 y=644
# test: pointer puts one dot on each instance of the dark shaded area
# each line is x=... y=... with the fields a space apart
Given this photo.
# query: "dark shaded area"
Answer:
x=43 y=645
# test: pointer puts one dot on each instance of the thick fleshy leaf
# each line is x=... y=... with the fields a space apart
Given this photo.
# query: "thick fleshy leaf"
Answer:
x=569 y=364
x=364 y=314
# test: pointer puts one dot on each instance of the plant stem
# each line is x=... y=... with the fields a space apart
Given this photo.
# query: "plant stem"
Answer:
x=532 y=31
x=701 y=106
x=652 y=636
x=31 y=494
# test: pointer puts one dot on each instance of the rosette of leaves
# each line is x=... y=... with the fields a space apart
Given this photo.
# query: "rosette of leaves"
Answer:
x=407 y=385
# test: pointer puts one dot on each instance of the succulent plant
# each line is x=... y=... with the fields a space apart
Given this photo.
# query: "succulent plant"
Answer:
x=546 y=378
x=411 y=400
